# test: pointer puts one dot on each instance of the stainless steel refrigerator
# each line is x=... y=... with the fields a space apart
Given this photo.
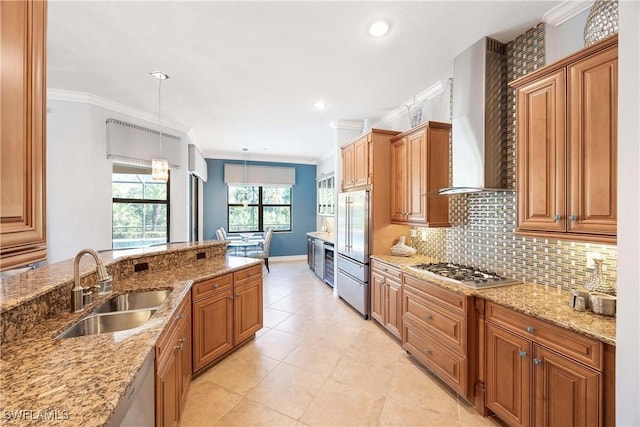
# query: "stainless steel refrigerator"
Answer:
x=353 y=249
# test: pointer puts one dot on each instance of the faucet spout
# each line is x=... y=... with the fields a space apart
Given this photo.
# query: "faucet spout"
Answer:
x=103 y=280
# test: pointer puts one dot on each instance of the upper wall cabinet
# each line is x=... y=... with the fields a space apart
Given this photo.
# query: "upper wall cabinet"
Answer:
x=419 y=167
x=326 y=198
x=567 y=118
x=358 y=159
x=22 y=146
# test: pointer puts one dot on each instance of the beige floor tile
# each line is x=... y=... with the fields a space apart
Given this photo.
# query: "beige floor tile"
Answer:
x=287 y=389
x=366 y=375
x=469 y=417
x=315 y=358
x=239 y=373
x=207 y=403
x=286 y=304
x=340 y=404
x=272 y=317
x=248 y=413
x=269 y=298
x=277 y=344
x=401 y=412
x=301 y=325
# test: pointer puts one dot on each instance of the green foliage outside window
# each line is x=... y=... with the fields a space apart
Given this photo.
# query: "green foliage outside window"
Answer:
x=256 y=208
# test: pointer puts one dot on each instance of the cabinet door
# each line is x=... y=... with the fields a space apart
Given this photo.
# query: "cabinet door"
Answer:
x=399 y=180
x=22 y=124
x=508 y=376
x=247 y=310
x=593 y=138
x=377 y=296
x=348 y=161
x=212 y=328
x=361 y=161
x=541 y=157
x=185 y=353
x=565 y=392
x=416 y=177
x=167 y=413
x=393 y=307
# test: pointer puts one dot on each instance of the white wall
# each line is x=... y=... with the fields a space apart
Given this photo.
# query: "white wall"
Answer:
x=564 y=39
x=79 y=180
x=628 y=319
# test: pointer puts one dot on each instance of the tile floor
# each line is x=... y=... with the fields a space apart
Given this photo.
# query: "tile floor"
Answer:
x=317 y=362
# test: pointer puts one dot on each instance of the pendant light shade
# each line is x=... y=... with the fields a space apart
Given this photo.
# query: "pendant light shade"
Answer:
x=160 y=167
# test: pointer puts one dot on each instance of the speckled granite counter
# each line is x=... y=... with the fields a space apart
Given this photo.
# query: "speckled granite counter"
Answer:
x=83 y=379
x=531 y=299
x=327 y=237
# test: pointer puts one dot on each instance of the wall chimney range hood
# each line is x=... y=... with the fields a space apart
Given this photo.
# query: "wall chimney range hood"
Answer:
x=479 y=119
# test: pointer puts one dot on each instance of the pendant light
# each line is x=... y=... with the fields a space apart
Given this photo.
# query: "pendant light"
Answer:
x=160 y=167
x=245 y=203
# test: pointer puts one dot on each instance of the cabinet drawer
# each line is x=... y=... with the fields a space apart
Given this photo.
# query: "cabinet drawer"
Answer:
x=211 y=286
x=438 y=295
x=571 y=344
x=247 y=274
x=386 y=270
x=446 y=364
x=447 y=327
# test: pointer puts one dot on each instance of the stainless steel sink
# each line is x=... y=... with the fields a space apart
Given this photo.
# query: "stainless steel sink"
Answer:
x=108 y=322
x=133 y=301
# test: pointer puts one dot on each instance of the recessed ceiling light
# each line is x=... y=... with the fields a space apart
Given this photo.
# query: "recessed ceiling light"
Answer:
x=379 y=29
x=159 y=75
x=319 y=105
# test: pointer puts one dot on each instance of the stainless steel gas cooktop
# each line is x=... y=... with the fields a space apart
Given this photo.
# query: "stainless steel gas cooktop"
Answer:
x=465 y=275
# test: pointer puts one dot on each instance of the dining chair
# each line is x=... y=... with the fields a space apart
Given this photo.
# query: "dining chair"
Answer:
x=220 y=234
x=262 y=251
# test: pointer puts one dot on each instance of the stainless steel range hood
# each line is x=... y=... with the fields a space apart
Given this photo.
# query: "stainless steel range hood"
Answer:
x=479 y=118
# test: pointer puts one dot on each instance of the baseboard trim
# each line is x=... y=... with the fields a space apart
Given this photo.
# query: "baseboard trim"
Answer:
x=287 y=258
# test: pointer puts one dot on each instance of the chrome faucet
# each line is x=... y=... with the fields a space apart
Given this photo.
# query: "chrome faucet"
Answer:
x=80 y=295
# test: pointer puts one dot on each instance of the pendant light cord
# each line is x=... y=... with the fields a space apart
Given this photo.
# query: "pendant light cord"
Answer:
x=160 y=115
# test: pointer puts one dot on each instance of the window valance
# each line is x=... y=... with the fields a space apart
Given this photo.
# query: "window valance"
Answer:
x=258 y=175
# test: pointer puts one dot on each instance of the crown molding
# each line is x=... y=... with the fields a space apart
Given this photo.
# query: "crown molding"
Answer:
x=395 y=114
x=258 y=157
x=98 y=101
x=346 y=124
x=565 y=11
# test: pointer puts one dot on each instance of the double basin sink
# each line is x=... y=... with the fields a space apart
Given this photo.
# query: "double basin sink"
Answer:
x=119 y=313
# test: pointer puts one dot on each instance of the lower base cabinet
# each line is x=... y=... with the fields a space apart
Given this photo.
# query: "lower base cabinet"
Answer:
x=541 y=375
x=173 y=366
x=386 y=296
x=227 y=310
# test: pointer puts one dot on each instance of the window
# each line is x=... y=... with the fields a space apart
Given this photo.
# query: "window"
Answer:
x=255 y=208
x=140 y=208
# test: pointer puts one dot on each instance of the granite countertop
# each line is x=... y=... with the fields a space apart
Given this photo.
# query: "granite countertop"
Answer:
x=545 y=303
x=322 y=235
x=83 y=379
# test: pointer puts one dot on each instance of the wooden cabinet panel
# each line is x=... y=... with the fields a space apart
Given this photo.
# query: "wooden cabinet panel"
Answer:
x=567 y=146
x=211 y=286
x=386 y=296
x=508 y=376
x=377 y=285
x=448 y=365
x=541 y=154
x=212 y=328
x=22 y=129
x=593 y=137
x=444 y=298
x=166 y=400
x=393 y=307
x=361 y=162
x=566 y=393
x=348 y=173
x=247 y=310
x=419 y=168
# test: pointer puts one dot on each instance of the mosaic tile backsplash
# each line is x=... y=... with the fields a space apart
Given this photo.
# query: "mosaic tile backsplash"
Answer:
x=482 y=231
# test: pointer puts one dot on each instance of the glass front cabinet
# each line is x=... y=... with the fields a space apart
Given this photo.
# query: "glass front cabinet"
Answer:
x=325 y=197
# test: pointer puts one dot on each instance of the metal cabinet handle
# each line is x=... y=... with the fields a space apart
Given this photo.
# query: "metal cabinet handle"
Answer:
x=427 y=317
x=427 y=351
x=573 y=218
x=556 y=218
x=537 y=362
x=530 y=329
x=180 y=347
x=231 y=297
x=523 y=353
x=237 y=295
x=216 y=286
x=181 y=340
x=180 y=316
x=384 y=281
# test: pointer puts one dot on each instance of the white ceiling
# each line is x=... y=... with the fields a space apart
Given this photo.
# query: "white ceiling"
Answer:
x=245 y=74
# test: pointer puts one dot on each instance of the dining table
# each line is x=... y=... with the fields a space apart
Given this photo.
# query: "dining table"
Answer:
x=245 y=243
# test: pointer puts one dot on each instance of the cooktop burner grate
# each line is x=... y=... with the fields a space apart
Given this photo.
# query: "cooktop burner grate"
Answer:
x=465 y=275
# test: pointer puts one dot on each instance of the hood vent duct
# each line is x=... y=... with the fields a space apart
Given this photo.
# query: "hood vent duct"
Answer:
x=479 y=119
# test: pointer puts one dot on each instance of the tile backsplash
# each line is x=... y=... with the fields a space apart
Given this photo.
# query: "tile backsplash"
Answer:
x=482 y=231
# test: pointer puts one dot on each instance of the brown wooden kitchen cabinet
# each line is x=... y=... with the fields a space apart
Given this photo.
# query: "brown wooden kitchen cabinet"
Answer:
x=22 y=144
x=419 y=168
x=173 y=366
x=566 y=115
x=355 y=163
x=539 y=374
x=438 y=327
x=227 y=310
x=386 y=296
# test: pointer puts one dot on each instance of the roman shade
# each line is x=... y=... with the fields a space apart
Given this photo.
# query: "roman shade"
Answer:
x=137 y=145
x=197 y=163
x=258 y=175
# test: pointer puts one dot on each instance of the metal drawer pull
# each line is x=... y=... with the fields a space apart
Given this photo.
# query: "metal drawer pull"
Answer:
x=427 y=317
x=523 y=353
x=181 y=340
x=537 y=362
x=573 y=217
x=427 y=351
x=216 y=286
x=237 y=295
x=180 y=316
x=530 y=329
x=556 y=218
x=231 y=297
x=180 y=347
